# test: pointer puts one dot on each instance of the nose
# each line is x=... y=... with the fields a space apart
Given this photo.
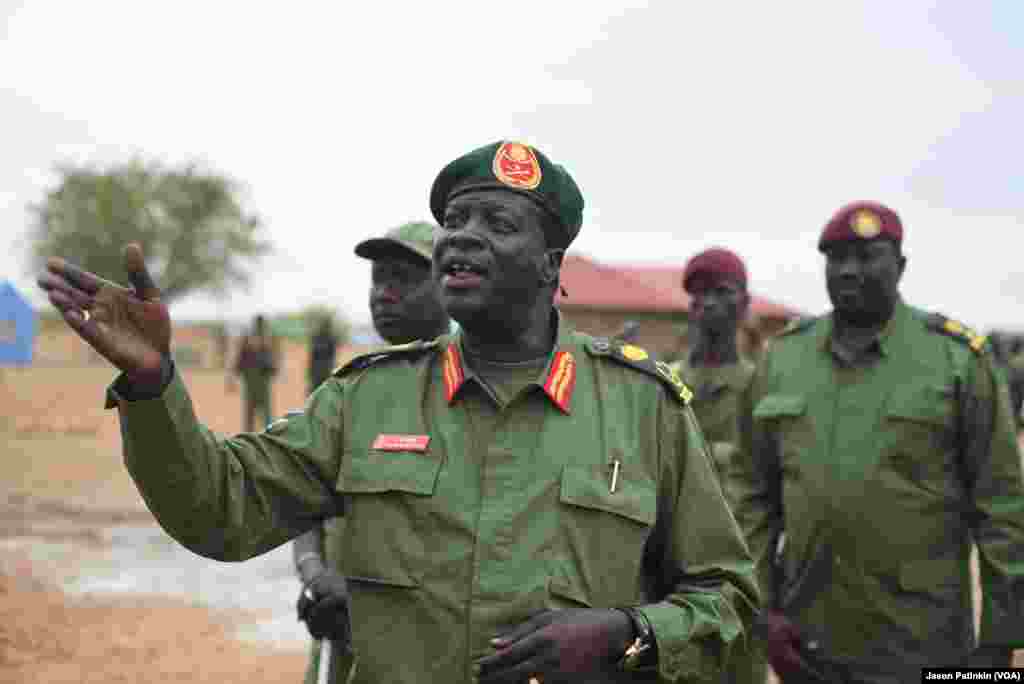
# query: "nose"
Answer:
x=383 y=293
x=466 y=237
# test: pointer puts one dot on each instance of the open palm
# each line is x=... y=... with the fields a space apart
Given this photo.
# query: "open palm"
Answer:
x=130 y=327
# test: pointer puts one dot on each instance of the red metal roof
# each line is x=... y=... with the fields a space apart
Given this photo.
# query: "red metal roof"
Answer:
x=638 y=287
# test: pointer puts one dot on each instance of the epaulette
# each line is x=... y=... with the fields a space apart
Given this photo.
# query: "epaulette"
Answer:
x=957 y=330
x=638 y=358
x=797 y=325
x=396 y=351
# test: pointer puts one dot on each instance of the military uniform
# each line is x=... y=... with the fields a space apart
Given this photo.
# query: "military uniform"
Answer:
x=716 y=395
x=463 y=517
x=879 y=474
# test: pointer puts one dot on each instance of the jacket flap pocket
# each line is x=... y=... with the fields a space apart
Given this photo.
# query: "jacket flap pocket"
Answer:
x=930 y=574
x=590 y=487
x=375 y=472
x=928 y=404
x=776 y=405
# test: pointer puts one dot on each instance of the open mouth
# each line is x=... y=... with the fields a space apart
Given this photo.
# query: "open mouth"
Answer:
x=461 y=273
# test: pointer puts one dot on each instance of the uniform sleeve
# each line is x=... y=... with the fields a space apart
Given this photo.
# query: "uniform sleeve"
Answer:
x=994 y=482
x=235 y=498
x=755 y=483
x=706 y=567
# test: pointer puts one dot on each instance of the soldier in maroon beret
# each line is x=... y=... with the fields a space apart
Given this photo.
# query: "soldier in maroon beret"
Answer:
x=716 y=280
x=876 y=444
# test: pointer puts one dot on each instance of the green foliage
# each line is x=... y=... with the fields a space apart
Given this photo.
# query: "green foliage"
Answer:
x=301 y=325
x=192 y=227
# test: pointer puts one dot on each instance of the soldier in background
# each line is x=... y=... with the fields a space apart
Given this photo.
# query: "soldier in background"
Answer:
x=256 y=365
x=879 y=439
x=716 y=280
x=323 y=349
x=405 y=306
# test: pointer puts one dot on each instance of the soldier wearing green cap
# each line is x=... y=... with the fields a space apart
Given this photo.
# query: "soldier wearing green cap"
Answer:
x=523 y=503
x=405 y=307
x=876 y=444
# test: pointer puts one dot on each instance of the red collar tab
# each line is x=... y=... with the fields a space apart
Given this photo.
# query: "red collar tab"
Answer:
x=453 y=372
x=561 y=380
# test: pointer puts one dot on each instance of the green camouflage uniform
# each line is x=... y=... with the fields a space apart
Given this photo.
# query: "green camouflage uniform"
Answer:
x=508 y=511
x=880 y=473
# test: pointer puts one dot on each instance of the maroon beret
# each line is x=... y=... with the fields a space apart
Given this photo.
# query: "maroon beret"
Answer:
x=714 y=263
x=862 y=220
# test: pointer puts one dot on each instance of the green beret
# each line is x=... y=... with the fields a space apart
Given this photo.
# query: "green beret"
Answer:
x=518 y=168
x=416 y=237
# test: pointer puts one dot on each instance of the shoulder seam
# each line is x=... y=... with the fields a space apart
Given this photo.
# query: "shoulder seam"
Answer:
x=369 y=358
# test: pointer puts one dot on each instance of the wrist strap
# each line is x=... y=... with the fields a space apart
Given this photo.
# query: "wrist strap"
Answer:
x=640 y=654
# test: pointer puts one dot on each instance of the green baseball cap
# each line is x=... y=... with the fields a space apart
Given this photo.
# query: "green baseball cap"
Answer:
x=520 y=168
x=416 y=237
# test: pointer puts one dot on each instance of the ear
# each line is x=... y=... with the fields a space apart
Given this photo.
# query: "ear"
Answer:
x=552 y=265
x=901 y=266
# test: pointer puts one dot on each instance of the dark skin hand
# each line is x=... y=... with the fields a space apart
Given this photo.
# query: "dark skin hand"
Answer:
x=558 y=643
x=784 y=641
x=496 y=275
x=130 y=327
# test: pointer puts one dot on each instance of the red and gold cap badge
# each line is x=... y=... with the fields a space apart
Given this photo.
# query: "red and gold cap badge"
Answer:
x=866 y=224
x=516 y=165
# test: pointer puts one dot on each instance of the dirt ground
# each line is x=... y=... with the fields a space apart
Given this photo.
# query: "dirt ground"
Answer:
x=62 y=483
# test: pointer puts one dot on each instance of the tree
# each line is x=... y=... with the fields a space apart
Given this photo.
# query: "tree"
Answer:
x=191 y=224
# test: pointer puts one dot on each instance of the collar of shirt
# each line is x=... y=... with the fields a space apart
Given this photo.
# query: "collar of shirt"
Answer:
x=880 y=346
x=557 y=380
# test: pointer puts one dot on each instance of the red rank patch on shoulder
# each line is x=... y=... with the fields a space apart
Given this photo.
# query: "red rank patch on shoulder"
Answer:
x=401 y=442
x=515 y=164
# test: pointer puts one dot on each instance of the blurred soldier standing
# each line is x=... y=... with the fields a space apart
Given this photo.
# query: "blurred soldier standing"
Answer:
x=716 y=280
x=405 y=307
x=256 y=365
x=879 y=439
x=522 y=501
x=323 y=349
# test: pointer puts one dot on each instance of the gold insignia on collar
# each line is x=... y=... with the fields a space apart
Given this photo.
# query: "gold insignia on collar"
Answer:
x=866 y=224
x=515 y=164
x=633 y=352
x=954 y=327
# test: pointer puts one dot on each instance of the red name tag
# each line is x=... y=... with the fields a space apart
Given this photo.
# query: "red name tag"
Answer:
x=401 y=442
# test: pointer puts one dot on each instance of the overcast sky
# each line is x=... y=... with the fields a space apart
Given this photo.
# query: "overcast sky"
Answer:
x=686 y=124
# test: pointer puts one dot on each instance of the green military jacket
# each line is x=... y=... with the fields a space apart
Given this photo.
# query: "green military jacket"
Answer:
x=880 y=474
x=464 y=518
x=716 y=402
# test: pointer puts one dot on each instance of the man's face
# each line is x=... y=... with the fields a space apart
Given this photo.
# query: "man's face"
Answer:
x=490 y=260
x=403 y=300
x=718 y=304
x=863 y=278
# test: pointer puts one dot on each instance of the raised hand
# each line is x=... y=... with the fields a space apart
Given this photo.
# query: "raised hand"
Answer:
x=130 y=327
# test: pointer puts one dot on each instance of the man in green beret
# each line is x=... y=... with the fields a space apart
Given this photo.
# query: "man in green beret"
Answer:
x=523 y=503
x=876 y=442
x=405 y=307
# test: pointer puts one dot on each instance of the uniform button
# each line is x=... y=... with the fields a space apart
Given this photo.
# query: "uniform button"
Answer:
x=839 y=561
x=813 y=645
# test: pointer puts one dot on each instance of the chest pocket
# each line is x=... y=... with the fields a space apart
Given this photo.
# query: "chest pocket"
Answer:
x=603 y=533
x=387 y=498
x=786 y=415
x=919 y=432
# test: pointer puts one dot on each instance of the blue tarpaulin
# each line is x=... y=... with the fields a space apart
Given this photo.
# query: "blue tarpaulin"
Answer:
x=17 y=327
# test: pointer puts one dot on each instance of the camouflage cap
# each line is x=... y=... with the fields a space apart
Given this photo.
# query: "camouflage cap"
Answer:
x=416 y=237
x=519 y=168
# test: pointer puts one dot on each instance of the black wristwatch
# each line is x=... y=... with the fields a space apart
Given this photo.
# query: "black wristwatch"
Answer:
x=641 y=654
